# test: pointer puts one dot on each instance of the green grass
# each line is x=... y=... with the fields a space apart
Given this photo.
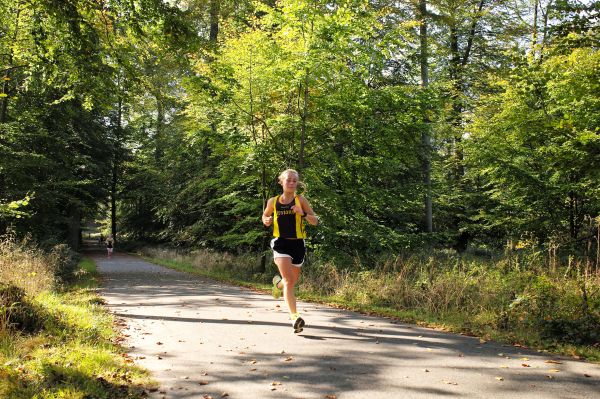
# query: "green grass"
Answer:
x=75 y=354
x=472 y=297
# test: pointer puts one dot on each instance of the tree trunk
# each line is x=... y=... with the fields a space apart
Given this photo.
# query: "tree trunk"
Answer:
x=74 y=227
x=265 y=241
x=115 y=171
x=158 y=138
x=7 y=76
x=304 y=118
x=534 y=34
x=215 y=10
x=572 y=216
x=425 y=136
x=456 y=117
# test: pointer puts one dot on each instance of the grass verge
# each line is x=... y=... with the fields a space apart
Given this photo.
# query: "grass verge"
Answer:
x=75 y=354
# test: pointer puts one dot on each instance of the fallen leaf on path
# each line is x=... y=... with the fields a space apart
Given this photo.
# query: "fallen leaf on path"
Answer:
x=275 y=383
x=553 y=362
x=587 y=375
x=549 y=377
x=330 y=397
x=288 y=359
x=203 y=382
x=525 y=365
x=449 y=382
x=253 y=369
x=425 y=370
x=500 y=378
x=159 y=343
x=224 y=395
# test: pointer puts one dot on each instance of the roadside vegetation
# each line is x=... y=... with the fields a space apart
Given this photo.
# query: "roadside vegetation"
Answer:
x=522 y=297
x=56 y=340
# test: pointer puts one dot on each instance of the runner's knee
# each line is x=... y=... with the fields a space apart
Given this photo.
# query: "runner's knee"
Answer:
x=288 y=282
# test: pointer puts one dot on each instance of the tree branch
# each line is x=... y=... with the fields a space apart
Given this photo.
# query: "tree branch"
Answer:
x=472 y=34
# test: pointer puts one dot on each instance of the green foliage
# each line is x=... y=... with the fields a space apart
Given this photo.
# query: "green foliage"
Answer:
x=555 y=307
x=534 y=148
x=11 y=209
x=181 y=114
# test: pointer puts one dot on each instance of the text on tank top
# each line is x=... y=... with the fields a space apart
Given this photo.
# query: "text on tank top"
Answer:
x=286 y=223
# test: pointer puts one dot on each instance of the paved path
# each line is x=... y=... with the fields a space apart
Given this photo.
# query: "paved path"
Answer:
x=202 y=338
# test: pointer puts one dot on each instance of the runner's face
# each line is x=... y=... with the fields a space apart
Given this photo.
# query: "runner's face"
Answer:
x=290 y=182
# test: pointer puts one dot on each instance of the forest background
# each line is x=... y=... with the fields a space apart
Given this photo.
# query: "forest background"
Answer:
x=453 y=143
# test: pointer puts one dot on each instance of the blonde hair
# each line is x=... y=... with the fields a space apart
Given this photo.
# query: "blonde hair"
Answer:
x=286 y=172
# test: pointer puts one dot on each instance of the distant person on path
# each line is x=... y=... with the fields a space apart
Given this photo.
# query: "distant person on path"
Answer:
x=110 y=243
x=286 y=213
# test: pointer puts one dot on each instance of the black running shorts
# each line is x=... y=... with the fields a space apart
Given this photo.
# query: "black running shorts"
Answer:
x=289 y=248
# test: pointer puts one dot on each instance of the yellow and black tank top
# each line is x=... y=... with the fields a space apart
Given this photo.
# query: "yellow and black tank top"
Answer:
x=286 y=223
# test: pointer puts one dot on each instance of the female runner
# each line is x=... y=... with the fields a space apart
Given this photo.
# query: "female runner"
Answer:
x=287 y=212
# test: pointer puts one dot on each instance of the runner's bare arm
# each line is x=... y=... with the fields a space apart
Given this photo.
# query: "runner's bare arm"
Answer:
x=267 y=217
x=308 y=211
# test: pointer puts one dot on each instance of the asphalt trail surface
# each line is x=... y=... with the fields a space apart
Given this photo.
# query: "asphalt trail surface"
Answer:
x=202 y=338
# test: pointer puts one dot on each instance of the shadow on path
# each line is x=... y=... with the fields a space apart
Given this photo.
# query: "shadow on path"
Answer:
x=189 y=330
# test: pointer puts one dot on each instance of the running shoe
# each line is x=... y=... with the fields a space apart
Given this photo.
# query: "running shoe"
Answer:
x=276 y=291
x=298 y=323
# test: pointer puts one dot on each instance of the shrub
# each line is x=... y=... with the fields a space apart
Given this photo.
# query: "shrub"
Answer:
x=27 y=266
x=584 y=330
x=63 y=261
x=16 y=312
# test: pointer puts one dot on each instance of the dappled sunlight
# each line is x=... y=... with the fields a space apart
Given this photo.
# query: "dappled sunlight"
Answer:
x=202 y=337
